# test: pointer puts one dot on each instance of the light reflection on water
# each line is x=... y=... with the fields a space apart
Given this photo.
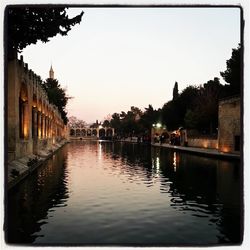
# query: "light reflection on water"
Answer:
x=129 y=194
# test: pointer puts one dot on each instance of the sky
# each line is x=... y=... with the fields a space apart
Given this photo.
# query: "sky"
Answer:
x=122 y=57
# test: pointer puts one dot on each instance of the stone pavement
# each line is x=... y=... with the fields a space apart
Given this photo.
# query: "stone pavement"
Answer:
x=201 y=151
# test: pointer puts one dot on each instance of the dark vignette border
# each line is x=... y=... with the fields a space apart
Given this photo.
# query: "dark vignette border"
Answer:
x=242 y=24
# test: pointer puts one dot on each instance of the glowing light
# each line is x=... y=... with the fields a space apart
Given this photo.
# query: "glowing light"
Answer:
x=25 y=131
x=174 y=163
x=100 y=151
x=205 y=144
x=157 y=164
x=158 y=125
x=225 y=149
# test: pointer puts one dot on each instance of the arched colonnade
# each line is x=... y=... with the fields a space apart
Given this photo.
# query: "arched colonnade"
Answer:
x=91 y=132
x=34 y=124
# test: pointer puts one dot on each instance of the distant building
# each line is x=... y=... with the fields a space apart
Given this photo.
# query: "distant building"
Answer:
x=51 y=73
x=229 y=131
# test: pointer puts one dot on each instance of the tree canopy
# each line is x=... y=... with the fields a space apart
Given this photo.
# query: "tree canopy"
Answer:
x=57 y=96
x=196 y=107
x=232 y=74
x=27 y=25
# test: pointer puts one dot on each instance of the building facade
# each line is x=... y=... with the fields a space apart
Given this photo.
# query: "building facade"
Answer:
x=77 y=132
x=33 y=124
x=229 y=131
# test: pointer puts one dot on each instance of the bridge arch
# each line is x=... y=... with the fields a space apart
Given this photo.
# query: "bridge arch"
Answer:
x=83 y=132
x=72 y=132
x=102 y=132
x=78 y=132
x=109 y=132
x=94 y=132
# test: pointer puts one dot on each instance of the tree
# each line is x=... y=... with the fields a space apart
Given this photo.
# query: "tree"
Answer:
x=204 y=115
x=57 y=96
x=175 y=91
x=149 y=117
x=170 y=114
x=232 y=74
x=115 y=122
x=191 y=119
x=74 y=122
x=106 y=123
x=27 y=25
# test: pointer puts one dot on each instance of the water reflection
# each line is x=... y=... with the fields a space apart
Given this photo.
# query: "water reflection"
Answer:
x=28 y=203
x=202 y=187
x=129 y=194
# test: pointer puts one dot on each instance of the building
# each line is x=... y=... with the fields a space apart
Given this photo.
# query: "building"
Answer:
x=33 y=124
x=229 y=130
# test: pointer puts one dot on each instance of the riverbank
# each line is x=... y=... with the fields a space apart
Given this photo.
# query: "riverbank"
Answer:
x=201 y=151
x=207 y=152
x=21 y=168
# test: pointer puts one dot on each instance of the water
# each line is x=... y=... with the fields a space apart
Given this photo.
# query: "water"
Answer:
x=127 y=194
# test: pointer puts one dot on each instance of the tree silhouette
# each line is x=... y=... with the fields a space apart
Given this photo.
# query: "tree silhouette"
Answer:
x=232 y=74
x=57 y=96
x=27 y=25
x=106 y=123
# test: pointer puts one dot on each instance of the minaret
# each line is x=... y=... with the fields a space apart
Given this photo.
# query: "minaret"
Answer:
x=51 y=73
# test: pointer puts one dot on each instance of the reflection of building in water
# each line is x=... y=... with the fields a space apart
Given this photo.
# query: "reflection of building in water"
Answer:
x=205 y=187
x=47 y=188
x=230 y=195
x=34 y=124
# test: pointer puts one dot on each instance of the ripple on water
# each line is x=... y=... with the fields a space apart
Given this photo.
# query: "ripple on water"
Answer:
x=113 y=193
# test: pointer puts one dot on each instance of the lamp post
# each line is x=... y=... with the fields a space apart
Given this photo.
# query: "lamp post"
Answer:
x=155 y=128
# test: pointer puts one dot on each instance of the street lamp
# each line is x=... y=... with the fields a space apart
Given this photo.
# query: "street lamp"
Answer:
x=158 y=125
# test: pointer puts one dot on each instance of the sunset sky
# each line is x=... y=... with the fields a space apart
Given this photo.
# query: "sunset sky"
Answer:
x=122 y=57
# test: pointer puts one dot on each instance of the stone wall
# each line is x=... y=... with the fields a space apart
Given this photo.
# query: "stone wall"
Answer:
x=229 y=135
x=33 y=123
x=203 y=143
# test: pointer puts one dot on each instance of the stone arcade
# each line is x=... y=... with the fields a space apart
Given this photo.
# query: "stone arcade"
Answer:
x=34 y=124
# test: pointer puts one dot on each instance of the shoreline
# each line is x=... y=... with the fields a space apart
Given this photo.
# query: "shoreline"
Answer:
x=200 y=151
x=205 y=152
x=19 y=169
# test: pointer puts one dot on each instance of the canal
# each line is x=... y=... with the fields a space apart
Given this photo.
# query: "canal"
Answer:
x=107 y=193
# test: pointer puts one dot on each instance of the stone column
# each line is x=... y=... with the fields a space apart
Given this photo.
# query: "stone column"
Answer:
x=39 y=124
x=49 y=128
x=26 y=121
x=44 y=125
x=35 y=128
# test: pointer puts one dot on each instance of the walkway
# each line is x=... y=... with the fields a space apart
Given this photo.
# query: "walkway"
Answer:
x=20 y=168
x=202 y=151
